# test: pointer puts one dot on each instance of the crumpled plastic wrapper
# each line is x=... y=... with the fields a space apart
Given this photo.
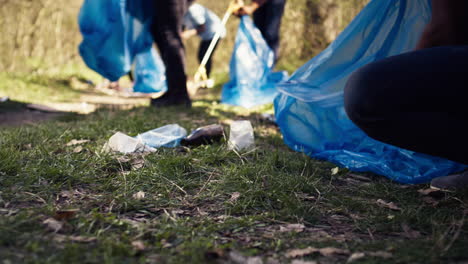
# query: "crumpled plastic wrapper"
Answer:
x=241 y=136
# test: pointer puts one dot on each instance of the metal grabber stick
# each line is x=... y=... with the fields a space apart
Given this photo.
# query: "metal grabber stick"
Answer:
x=201 y=74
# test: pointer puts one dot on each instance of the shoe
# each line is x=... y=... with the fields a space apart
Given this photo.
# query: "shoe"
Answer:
x=204 y=136
x=451 y=182
x=172 y=100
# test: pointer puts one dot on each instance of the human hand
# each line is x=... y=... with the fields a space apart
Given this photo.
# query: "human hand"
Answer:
x=188 y=33
x=246 y=9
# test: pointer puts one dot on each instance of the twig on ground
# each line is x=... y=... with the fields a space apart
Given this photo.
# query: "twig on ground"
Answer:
x=175 y=184
x=370 y=234
x=459 y=226
x=206 y=183
x=36 y=196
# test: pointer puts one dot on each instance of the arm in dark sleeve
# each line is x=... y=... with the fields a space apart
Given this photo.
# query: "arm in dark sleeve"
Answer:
x=448 y=25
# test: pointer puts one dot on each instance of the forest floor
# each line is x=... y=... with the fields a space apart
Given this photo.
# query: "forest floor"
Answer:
x=63 y=199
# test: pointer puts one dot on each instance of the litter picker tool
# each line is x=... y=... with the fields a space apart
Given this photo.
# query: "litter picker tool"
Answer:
x=201 y=76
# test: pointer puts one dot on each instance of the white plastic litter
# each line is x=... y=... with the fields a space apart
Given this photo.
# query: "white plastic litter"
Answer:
x=241 y=136
x=167 y=136
x=120 y=142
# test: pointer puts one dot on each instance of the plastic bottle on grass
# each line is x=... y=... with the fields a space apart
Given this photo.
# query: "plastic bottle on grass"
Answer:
x=204 y=135
x=241 y=136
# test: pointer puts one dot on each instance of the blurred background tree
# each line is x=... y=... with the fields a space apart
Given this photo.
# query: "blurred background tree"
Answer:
x=43 y=35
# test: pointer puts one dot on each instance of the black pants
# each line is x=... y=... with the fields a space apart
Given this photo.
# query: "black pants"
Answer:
x=417 y=101
x=204 y=45
x=166 y=33
x=267 y=18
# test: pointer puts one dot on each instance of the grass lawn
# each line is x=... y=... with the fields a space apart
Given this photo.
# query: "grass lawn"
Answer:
x=76 y=204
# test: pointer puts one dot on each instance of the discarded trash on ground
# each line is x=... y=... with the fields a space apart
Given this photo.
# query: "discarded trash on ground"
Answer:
x=171 y=136
x=268 y=118
x=204 y=136
x=167 y=136
x=120 y=142
x=241 y=135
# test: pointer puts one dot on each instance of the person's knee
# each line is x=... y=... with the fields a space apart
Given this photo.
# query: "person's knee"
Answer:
x=360 y=95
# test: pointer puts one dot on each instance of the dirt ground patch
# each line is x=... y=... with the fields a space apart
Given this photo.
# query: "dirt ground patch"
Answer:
x=14 y=113
x=26 y=116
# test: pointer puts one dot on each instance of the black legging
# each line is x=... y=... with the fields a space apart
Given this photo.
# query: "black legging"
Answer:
x=165 y=30
x=204 y=45
x=267 y=18
x=417 y=101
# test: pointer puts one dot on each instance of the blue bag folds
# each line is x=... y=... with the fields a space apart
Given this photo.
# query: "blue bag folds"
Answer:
x=103 y=48
x=150 y=74
x=252 y=81
x=116 y=34
x=309 y=108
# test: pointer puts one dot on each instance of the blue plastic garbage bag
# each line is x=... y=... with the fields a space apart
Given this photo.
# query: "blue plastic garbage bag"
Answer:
x=103 y=47
x=150 y=73
x=309 y=108
x=168 y=136
x=114 y=33
x=252 y=81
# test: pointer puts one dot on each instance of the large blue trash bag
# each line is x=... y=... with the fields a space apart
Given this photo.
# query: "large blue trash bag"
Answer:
x=103 y=47
x=150 y=73
x=309 y=108
x=252 y=81
x=114 y=32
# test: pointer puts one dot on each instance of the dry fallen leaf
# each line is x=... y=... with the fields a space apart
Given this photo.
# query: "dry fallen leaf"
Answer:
x=410 y=233
x=80 y=239
x=380 y=254
x=234 y=197
x=123 y=159
x=53 y=225
x=75 y=142
x=327 y=252
x=78 y=149
x=8 y=212
x=238 y=258
x=138 y=163
x=389 y=205
x=254 y=260
x=335 y=171
x=356 y=256
x=177 y=212
x=330 y=251
x=138 y=245
x=432 y=192
x=298 y=228
x=139 y=195
x=65 y=214
x=297 y=261
x=359 y=177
